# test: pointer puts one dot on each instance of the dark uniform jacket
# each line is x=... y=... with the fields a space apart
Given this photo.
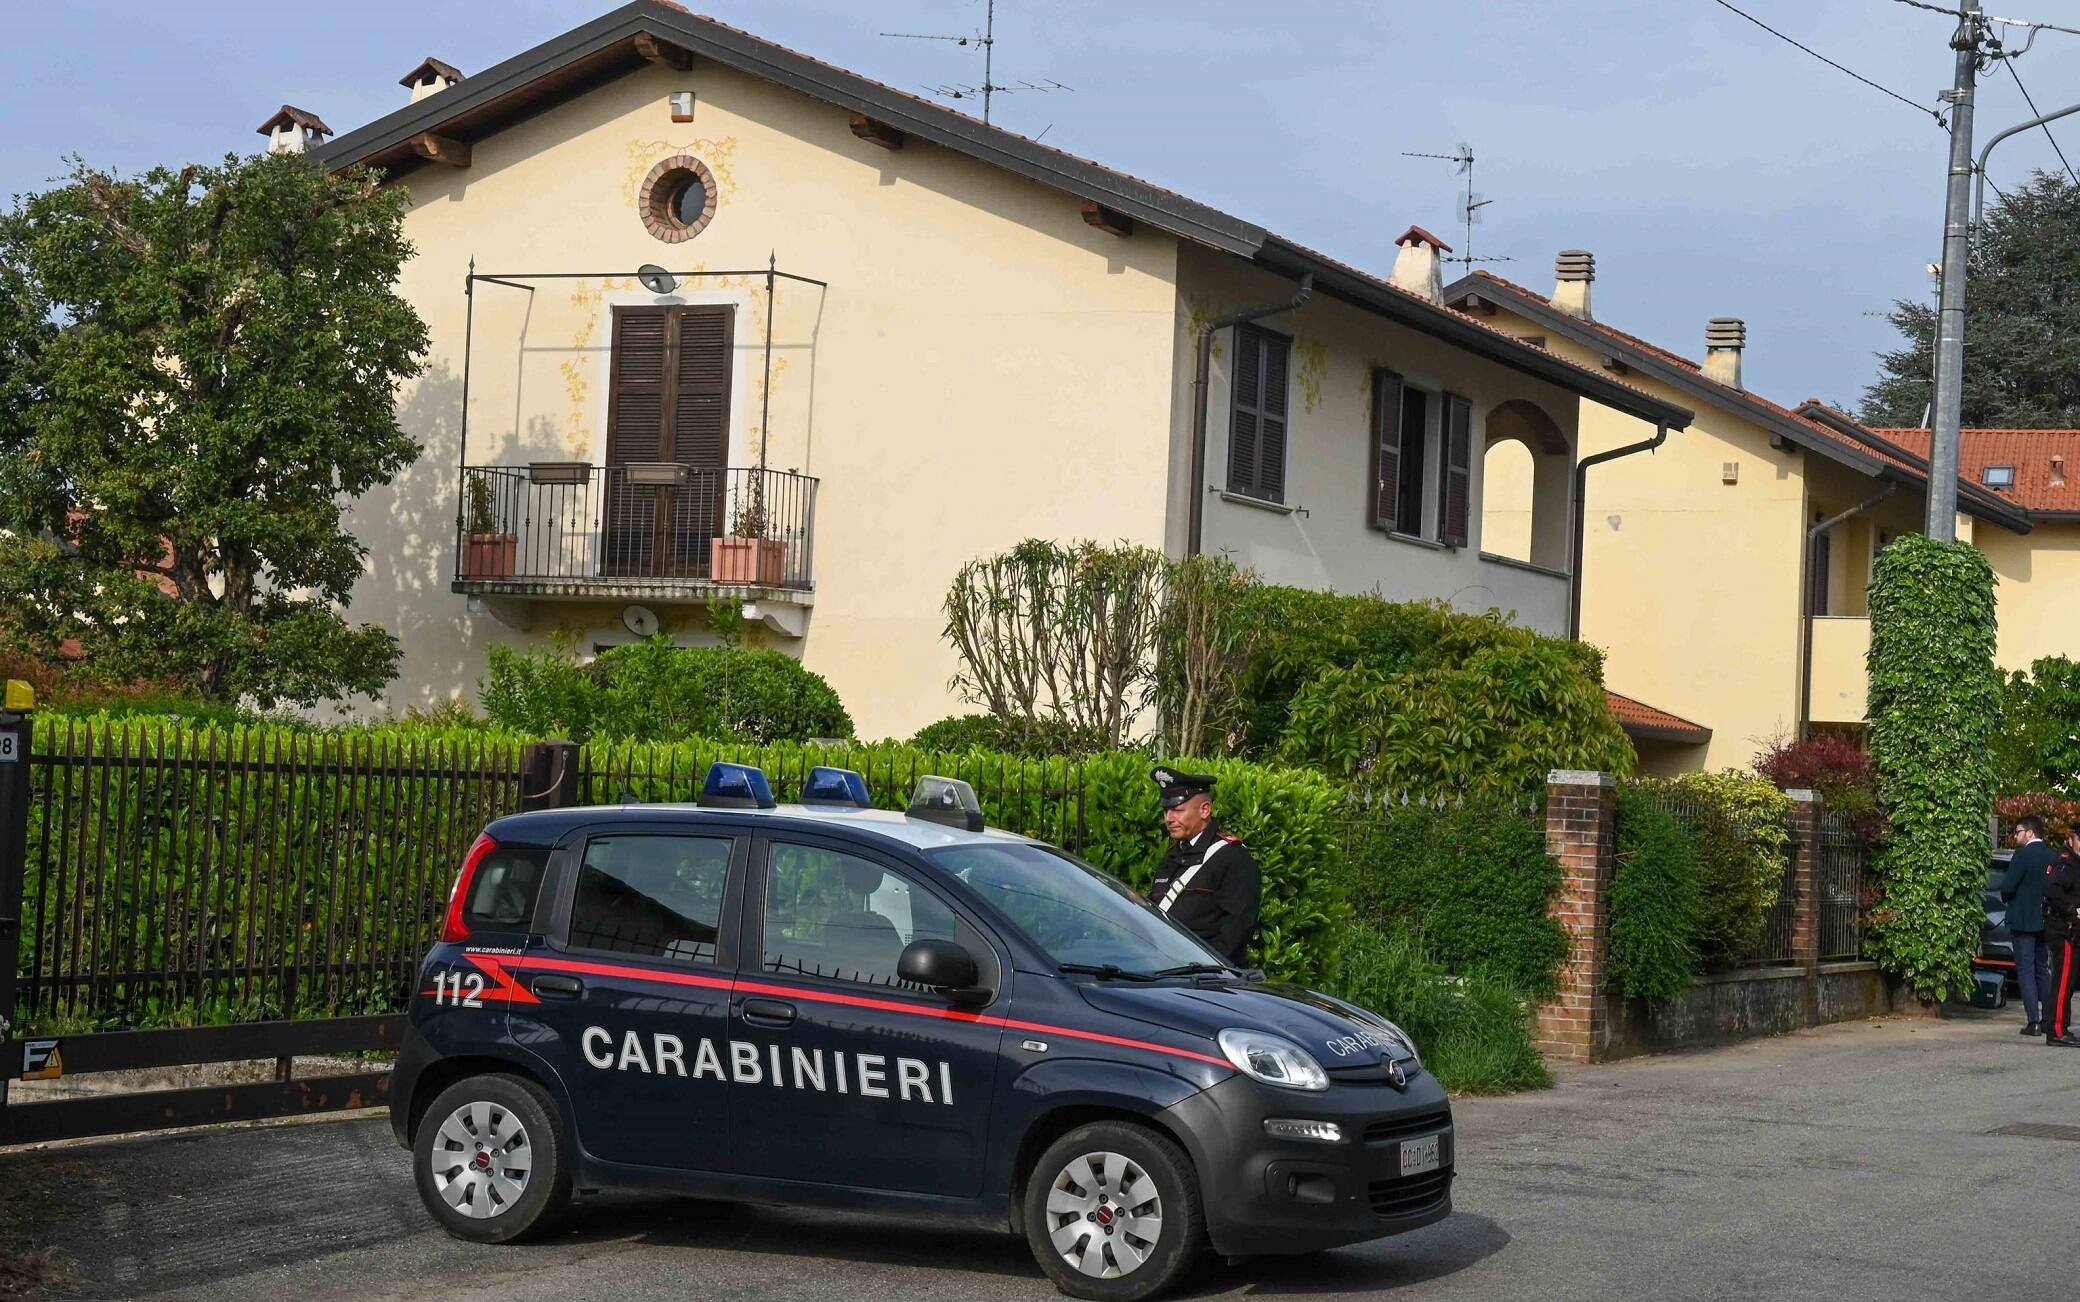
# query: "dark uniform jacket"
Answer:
x=2022 y=886
x=2061 y=896
x=1210 y=885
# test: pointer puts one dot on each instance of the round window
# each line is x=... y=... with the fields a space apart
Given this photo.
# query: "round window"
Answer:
x=678 y=198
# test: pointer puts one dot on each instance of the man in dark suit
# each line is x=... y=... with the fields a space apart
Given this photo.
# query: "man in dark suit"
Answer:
x=1209 y=882
x=2061 y=919
x=2022 y=886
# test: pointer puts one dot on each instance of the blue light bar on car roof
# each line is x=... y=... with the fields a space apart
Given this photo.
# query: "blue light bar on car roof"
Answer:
x=833 y=786
x=946 y=800
x=735 y=786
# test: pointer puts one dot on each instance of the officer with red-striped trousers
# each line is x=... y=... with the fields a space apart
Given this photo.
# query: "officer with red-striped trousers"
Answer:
x=2061 y=919
x=1209 y=882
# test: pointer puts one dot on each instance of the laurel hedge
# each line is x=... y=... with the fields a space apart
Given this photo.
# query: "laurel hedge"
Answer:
x=1935 y=699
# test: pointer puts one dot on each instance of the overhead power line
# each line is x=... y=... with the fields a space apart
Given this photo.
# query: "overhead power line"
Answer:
x=1918 y=108
x=1991 y=18
x=2037 y=112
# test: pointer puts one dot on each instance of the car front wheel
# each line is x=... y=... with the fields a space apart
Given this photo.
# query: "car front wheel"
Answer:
x=1112 y=1212
x=489 y=1161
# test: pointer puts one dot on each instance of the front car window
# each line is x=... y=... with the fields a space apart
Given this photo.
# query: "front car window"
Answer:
x=841 y=916
x=1073 y=912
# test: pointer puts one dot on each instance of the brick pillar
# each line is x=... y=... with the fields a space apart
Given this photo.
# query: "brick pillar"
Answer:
x=1581 y=832
x=1806 y=848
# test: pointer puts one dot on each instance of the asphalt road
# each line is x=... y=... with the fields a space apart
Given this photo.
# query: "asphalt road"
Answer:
x=1849 y=1162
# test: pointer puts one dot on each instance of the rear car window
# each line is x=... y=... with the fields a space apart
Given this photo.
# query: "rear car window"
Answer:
x=658 y=896
x=502 y=894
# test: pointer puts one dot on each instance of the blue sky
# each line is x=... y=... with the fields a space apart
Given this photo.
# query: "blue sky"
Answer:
x=1714 y=170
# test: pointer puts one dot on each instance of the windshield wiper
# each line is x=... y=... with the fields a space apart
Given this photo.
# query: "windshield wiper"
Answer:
x=1193 y=969
x=1108 y=970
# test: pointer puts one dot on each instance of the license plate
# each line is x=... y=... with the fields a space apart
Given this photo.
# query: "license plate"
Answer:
x=1419 y=1155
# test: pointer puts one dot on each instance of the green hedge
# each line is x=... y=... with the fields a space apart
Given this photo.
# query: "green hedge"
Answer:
x=1034 y=737
x=1738 y=827
x=1656 y=903
x=1473 y=1032
x=1934 y=699
x=1474 y=881
x=655 y=691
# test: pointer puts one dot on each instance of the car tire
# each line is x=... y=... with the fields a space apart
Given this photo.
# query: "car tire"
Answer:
x=464 y=1160
x=1088 y=1247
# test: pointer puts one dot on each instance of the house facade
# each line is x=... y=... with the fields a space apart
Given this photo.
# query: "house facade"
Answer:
x=711 y=319
x=1726 y=573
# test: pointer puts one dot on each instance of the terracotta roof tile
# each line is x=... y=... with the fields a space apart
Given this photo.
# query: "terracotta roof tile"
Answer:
x=1638 y=715
x=2028 y=450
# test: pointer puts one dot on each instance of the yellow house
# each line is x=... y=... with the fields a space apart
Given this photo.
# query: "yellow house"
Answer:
x=1726 y=573
x=711 y=318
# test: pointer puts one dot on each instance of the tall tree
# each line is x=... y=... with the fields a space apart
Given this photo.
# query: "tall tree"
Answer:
x=2022 y=321
x=198 y=371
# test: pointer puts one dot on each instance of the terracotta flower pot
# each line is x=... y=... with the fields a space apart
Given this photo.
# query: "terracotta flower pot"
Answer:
x=489 y=555
x=755 y=562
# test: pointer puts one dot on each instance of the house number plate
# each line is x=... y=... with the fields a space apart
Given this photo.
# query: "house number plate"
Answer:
x=10 y=747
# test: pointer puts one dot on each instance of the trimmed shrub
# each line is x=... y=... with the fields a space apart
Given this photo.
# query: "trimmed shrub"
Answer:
x=1475 y=881
x=1474 y=1033
x=1039 y=738
x=655 y=691
x=1934 y=699
x=2060 y=814
x=1835 y=767
x=1656 y=906
x=1739 y=832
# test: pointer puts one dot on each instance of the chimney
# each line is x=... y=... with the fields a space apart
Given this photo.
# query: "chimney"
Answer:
x=2058 y=472
x=1415 y=267
x=1573 y=272
x=1724 y=338
x=294 y=131
x=430 y=78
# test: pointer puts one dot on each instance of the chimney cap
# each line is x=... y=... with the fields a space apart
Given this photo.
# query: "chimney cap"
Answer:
x=1726 y=332
x=291 y=116
x=435 y=66
x=1417 y=235
x=1575 y=264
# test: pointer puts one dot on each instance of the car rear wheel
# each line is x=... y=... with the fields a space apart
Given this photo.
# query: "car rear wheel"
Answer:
x=489 y=1161
x=1112 y=1212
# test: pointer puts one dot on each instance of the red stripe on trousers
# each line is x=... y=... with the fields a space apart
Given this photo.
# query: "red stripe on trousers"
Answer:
x=2065 y=987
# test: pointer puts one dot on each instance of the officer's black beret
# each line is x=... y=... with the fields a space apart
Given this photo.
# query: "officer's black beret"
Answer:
x=1176 y=788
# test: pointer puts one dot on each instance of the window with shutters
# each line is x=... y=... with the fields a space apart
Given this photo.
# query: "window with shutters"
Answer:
x=667 y=438
x=1422 y=453
x=1257 y=428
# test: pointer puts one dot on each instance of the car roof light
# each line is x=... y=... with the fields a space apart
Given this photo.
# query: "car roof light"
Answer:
x=946 y=800
x=735 y=786
x=833 y=786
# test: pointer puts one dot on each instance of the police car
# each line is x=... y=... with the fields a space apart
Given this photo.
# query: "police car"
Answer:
x=825 y=1004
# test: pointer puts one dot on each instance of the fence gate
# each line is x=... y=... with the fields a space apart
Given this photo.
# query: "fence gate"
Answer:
x=173 y=896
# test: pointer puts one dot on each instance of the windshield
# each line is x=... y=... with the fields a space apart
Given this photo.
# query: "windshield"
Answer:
x=1073 y=912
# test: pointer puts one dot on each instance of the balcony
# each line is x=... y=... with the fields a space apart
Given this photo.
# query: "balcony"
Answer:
x=1841 y=686
x=653 y=531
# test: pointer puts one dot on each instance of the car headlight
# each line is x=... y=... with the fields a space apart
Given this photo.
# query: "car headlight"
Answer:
x=1272 y=1059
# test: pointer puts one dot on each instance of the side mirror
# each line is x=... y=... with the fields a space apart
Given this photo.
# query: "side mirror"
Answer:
x=939 y=965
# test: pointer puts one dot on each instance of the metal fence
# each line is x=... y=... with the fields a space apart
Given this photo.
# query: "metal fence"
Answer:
x=1841 y=905
x=1776 y=942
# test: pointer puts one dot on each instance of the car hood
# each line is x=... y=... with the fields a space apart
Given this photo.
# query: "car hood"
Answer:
x=1338 y=1034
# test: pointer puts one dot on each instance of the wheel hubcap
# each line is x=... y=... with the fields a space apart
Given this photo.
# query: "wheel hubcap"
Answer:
x=1104 y=1215
x=481 y=1160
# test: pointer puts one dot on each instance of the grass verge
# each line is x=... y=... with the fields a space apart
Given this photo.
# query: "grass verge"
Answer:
x=1474 y=1032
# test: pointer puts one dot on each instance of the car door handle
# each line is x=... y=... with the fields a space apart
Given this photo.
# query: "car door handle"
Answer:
x=557 y=987
x=768 y=1012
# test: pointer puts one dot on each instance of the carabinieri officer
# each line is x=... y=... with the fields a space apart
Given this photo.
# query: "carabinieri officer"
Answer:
x=1208 y=882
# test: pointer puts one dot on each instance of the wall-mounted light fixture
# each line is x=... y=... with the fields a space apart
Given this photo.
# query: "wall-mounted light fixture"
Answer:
x=682 y=105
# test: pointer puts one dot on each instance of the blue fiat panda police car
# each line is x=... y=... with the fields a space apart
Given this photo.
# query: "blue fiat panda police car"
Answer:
x=827 y=1004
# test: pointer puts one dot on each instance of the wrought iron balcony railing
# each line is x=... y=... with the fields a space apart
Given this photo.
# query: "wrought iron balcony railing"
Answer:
x=558 y=526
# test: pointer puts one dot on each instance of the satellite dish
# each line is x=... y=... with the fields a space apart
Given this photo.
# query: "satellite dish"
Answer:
x=640 y=620
x=656 y=279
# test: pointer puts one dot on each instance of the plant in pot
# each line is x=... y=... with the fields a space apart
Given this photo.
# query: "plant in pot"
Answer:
x=745 y=555
x=488 y=551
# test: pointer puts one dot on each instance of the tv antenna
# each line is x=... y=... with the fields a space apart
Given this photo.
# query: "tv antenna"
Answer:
x=986 y=39
x=1470 y=205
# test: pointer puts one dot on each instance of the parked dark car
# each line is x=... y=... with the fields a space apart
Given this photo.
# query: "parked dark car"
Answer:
x=1993 y=968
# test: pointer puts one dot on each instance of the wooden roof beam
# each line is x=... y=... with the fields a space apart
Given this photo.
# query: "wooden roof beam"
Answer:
x=876 y=133
x=663 y=53
x=1109 y=220
x=441 y=149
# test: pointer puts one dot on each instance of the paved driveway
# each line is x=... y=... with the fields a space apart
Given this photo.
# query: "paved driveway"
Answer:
x=1849 y=1162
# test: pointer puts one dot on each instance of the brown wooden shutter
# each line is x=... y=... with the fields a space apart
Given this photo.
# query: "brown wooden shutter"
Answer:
x=1386 y=449
x=1456 y=502
x=701 y=339
x=1257 y=428
x=1822 y=567
x=635 y=432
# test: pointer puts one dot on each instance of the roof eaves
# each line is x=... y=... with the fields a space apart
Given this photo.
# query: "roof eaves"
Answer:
x=706 y=38
x=1475 y=336
x=1976 y=500
x=1612 y=343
